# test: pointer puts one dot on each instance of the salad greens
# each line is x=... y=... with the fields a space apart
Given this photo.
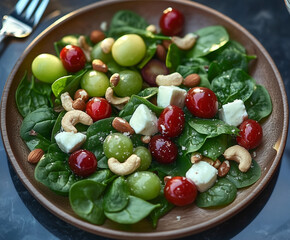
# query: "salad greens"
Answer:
x=222 y=65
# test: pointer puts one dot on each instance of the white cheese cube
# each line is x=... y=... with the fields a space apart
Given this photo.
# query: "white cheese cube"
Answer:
x=203 y=175
x=144 y=121
x=69 y=142
x=171 y=95
x=233 y=113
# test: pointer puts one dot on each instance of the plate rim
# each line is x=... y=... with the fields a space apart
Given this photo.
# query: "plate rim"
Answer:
x=144 y=235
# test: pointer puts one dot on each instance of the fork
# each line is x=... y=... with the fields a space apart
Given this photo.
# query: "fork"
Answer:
x=24 y=17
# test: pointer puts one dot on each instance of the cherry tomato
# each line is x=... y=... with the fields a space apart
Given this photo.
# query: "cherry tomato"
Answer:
x=251 y=134
x=163 y=149
x=98 y=108
x=171 y=121
x=73 y=58
x=83 y=162
x=180 y=191
x=201 y=102
x=171 y=22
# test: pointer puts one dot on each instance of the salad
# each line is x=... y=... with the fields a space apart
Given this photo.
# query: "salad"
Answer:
x=130 y=122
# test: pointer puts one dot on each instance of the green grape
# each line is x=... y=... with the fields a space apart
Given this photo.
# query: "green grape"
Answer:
x=130 y=83
x=97 y=53
x=144 y=184
x=118 y=146
x=145 y=157
x=47 y=68
x=95 y=83
x=128 y=50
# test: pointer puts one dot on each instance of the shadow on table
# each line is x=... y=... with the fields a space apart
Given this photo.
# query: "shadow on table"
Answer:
x=221 y=232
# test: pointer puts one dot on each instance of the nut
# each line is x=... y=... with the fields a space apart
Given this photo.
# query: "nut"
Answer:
x=99 y=66
x=195 y=157
x=151 y=28
x=97 y=36
x=216 y=164
x=240 y=155
x=114 y=80
x=81 y=93
x=161 y=52
x=66 y=101
x=185 y=43
x=192 y=80
x=117 y=102
x=71 y=118
x=35 y=155
x=166 y=179
x=85 y=47
x=173 y=79
x=79 y=104
x=224 y=168
x=121 y=125
x=106 y=45
x=166 y=43
x=125 y=168
x=145 y=139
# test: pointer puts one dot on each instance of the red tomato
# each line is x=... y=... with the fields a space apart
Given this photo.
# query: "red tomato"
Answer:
x=201 y=102
x=98 y=108
x=171 y=121
x=163 y=149
x=251 y=134
x=180 y=191
x=83 y=162
x=171 y=22
x=73 y=58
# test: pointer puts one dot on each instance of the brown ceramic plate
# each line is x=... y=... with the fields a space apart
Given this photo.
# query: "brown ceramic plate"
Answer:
x=170 y=226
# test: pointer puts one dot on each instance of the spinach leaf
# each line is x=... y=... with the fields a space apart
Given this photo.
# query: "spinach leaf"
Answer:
x=57 y=126
x=148 y=92
x=259 y=105
x=38 y=141
x=134 y=102
x=233 y=84
x=41 y=121
x=212 y=127
x=222 y=193
x=102 y=176
x=150 y=52
x=136 y=210
x=210 y=39
x=240 y=179
x=117 y=197
x=86 y=200
x=32 y=95
x=53 y=171
x=174 y=57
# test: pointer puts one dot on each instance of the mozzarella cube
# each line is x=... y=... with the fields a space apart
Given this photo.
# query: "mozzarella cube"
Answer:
x=171 y=95
x=69 y=142
x=144 y=121
x=203 y=175
x=233 y=113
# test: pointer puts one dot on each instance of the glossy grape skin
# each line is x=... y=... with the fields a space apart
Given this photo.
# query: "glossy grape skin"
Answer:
x=171 y=22
x=128 y=50
x=250 y=135
x=98 y=108
x=145 y=157
x=95 y=83
x=47 y=68
x=180 y=191
x=73 y=58
x=97 y=53
x=144 y=184
x=171 y=121
x=118 y=146
x=163 y=150
x=201 y=102
x=130 y=83
x=83 y=163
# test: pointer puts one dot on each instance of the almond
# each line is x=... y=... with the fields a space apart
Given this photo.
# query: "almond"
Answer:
x=97 y=36
x=121 y=125
x=79 y=104
x=161 y=53
x=192 y=80
x=35 y=155
x=166 y=43
x=224 y=168
x=81 y=93
x=99 y=66
x=114 y=80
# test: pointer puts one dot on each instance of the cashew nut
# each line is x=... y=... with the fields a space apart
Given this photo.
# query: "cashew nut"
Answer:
x=85 y=47
x=66 y=101
x=240 y=155
x=106 y=45
x=119 y=103
x=173 y=79
x=125 y=168
x=151 y=28
x=71 y=118
x=186 y=42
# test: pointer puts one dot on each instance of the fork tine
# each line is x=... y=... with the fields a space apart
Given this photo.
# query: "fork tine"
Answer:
x=40 y=11
x=29 y=11
x=20 y=6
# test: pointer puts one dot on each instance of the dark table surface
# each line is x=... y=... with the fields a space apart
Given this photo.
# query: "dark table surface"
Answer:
x=268 y=217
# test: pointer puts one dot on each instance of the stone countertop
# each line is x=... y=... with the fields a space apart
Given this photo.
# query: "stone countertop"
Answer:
x=22 y=217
